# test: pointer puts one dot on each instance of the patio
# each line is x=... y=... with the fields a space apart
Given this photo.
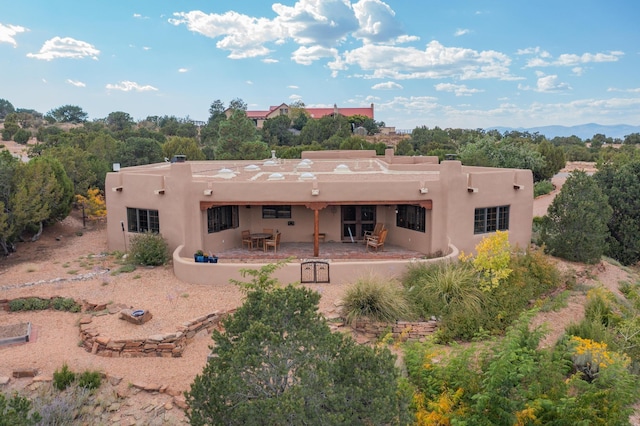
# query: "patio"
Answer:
x=334 y=251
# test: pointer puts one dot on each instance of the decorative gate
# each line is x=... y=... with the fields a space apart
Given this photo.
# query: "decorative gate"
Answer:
x=314 y=272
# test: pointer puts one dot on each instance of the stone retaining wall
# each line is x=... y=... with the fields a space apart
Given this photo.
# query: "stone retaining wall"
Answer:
x=406 y=330
x=159 y=345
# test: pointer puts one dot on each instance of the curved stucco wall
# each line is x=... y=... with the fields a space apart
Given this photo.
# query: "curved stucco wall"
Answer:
x=340 y=272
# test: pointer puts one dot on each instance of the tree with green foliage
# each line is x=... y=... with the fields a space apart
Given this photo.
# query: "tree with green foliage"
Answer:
x=17 y=411
x=6 y=108
x=575 y=227
x=22 y=136
x=67 y=114
x=621 y=182
x=554 y=161
x=43 y=193
x=325 y=128
x=77 y=165
x=275 y=131
x=118 y=121
x=233 y=133
x=137 y=151
x=183 y=146
x=277 y=362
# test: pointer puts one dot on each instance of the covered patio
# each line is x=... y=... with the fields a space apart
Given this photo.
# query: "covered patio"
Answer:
x=334 y=251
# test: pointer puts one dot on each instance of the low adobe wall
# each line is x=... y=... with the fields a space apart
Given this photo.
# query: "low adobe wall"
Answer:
x=342 y=272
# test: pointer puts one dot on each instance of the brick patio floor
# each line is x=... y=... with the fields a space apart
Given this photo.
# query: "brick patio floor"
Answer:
x=330 y=250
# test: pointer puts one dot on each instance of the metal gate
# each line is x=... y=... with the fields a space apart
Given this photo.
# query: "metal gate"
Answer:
x=314 y=272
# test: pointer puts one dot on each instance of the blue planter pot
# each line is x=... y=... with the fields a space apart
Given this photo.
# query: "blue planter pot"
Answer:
x=213 y=259
x=200 y=259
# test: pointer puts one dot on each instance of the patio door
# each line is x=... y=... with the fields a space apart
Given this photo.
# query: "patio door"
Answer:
x=356 y=220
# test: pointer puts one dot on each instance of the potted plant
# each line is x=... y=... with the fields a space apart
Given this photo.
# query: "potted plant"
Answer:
x=199 y=256
x=213 y=258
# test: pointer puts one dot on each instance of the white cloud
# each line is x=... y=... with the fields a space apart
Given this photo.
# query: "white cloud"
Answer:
x=436 y=61
x=146 y=48
x=76 y=83
x=128 y=86
x=317 y=22
x=243 y=36
x=550 y=83
x=295 y=97
x=406 y=39
x=7 y=33
x=65 y=47
x=324 y=23
x=458 y=89
x=634 y=90
x=249 y=82
x=139 y=16
x=388 y=85
x=377 y=23
x=307 y=55
x=577 y=71
x=183 y=70
x=534 y=51
x=292 y=87
x=543 y=58
x=461 y=31
x=270 y=61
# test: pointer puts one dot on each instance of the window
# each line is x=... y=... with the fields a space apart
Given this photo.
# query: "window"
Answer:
x=491 y=219
x=276 y=212
x=142 y=220
x=221 y=218
x=411 y=217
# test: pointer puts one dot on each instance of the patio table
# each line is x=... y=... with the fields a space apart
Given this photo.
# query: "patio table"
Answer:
x=259 y=238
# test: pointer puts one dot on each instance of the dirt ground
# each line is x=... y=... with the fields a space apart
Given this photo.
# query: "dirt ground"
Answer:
x=69 y=260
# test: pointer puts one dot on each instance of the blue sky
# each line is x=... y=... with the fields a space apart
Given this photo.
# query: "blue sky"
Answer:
x=455 y=63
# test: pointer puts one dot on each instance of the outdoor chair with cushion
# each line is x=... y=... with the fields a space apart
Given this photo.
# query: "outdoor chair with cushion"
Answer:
x=376 y=243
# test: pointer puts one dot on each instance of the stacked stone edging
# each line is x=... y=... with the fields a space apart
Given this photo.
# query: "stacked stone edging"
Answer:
x=158 y=345
x=408 y=330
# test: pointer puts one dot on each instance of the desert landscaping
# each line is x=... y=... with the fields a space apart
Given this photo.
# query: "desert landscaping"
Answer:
x=71 y=260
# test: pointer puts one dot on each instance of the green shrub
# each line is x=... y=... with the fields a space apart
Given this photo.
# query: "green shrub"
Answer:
x=377 y=300
x=543 y=187
x=66 y=304
x=124 y=269
x=29 y=304
x=63 y=378
x=89 y=379
x=22 y=136
x=149 y=249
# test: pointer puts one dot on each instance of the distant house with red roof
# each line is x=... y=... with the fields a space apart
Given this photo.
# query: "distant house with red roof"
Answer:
x=259 y=117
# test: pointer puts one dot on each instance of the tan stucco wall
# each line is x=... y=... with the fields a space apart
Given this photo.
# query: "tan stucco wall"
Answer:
x=177 y=191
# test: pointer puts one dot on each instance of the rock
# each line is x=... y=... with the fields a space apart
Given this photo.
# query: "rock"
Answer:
x=4 y=380
x=25 y=372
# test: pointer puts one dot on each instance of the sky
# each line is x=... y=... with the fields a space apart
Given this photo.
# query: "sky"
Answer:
x=455 y=63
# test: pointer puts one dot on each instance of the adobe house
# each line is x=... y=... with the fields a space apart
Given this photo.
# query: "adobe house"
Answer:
x=429 y=207
x=259 y=117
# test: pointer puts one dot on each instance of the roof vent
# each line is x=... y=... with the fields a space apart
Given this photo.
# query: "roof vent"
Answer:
x=276 y=176
x=251 y=168
x=307 y=176
x=342 y=168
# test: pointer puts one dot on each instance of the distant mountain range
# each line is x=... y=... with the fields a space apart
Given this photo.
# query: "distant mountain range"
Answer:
x=583 y=131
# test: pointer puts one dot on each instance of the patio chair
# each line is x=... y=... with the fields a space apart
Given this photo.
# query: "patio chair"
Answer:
x=377 y=243
x=246 y=239
x=268 y=231
x=274 y=242
x=373 y=234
